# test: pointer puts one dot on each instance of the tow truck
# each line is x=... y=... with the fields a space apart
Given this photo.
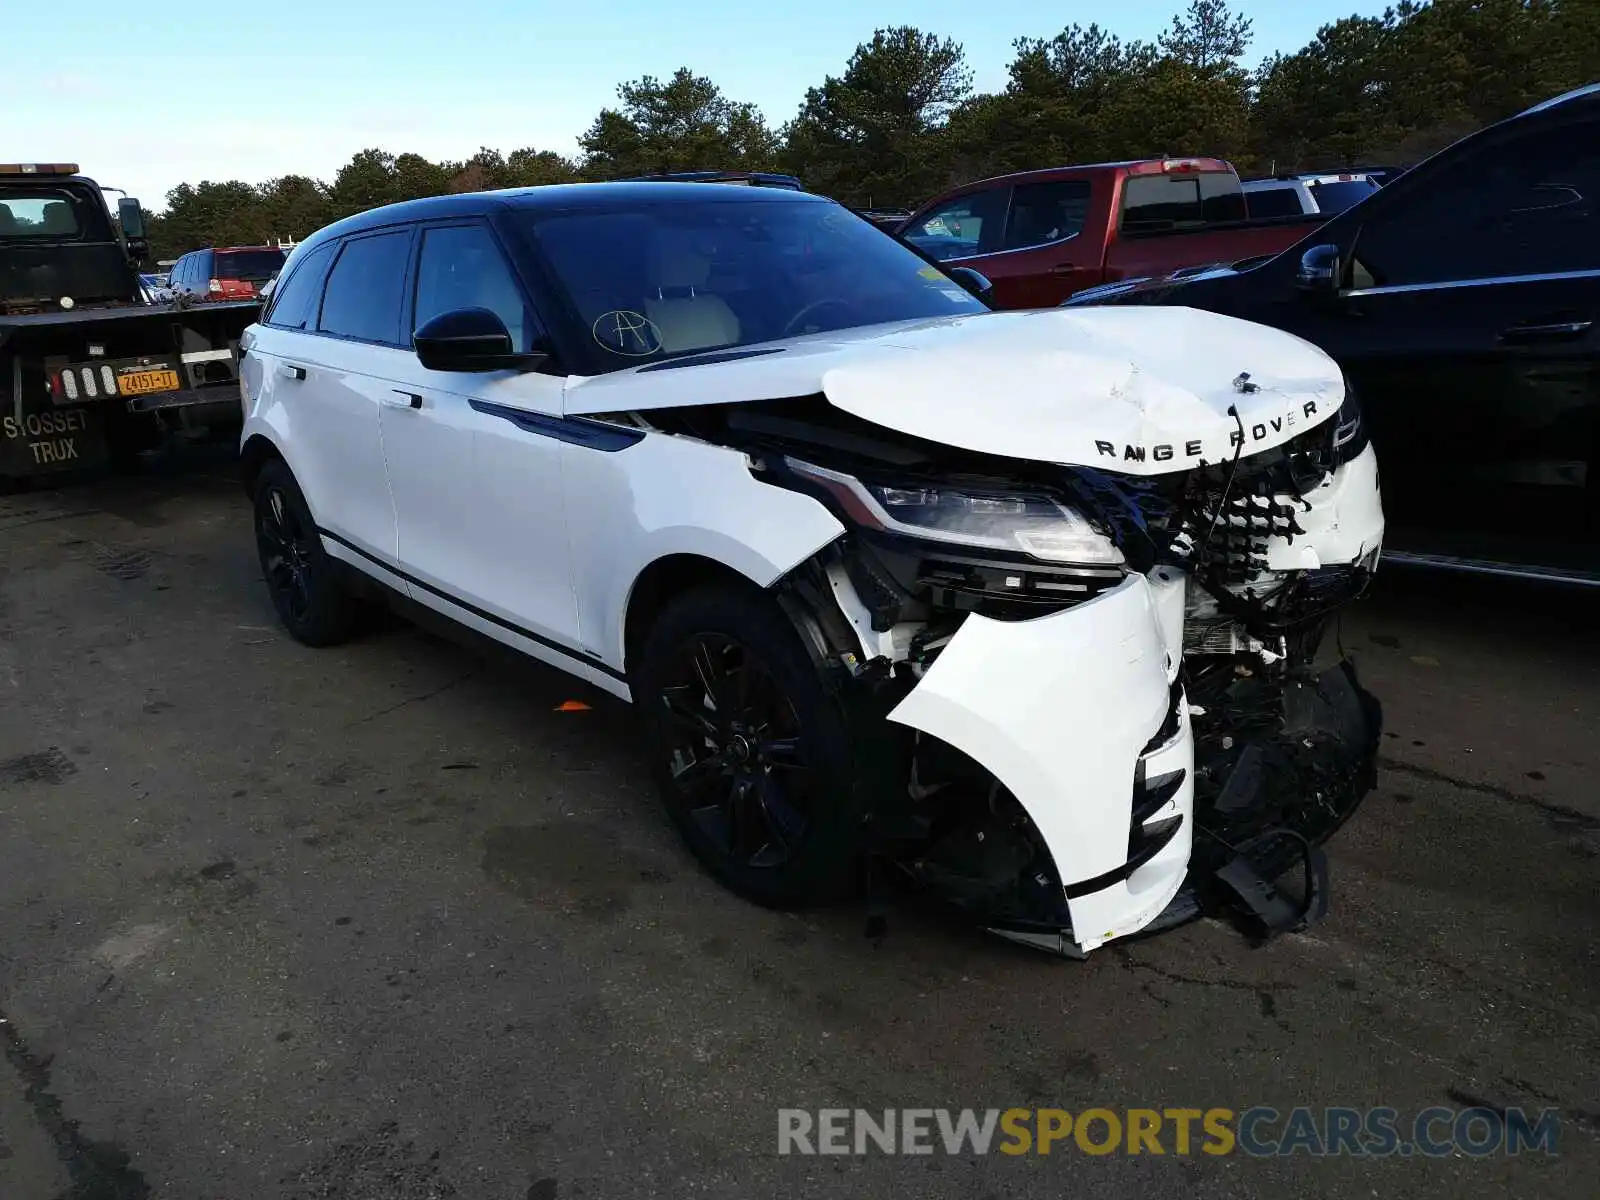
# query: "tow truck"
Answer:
x=92 y=372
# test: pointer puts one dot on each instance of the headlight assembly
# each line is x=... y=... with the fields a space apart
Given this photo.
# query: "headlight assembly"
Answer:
x=1002 y=522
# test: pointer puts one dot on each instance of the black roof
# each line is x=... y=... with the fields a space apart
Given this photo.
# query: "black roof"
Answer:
x=558 y=197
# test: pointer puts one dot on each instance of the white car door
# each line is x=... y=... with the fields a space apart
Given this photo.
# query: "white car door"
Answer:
x=473 y=467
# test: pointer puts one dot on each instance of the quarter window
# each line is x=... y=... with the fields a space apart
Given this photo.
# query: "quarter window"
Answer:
x=294 y=300
x=1042 y=213
x=362 y=299
x=461 y=266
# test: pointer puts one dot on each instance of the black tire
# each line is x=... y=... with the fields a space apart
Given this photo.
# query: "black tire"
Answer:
x=763 y=794
x=304 y=582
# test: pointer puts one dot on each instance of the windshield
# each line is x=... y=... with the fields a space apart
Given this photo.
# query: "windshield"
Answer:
x=1338 y=196
x=42 y=214
x=248 y=264
x=673 y=279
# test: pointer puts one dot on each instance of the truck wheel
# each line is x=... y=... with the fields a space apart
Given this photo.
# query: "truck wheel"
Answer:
x=304 y=582
x=749 y=750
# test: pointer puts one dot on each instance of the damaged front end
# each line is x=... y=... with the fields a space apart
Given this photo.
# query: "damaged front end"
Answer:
x=1091 y=705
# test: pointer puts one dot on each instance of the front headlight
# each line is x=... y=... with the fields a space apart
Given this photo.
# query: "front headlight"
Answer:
x=1004 y=522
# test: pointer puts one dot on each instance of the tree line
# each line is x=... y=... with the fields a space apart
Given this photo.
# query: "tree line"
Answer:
x=902 y=120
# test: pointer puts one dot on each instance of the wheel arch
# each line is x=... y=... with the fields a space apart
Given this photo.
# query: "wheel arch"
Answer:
x=662 y=582
x=257 y=451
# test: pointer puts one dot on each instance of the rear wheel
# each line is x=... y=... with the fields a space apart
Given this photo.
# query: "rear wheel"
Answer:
x=303 y=581
x=749 y=750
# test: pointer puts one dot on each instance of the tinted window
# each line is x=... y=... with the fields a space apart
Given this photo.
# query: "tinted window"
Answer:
x=1522 y=206
x=681 y=278
x=294 y=300
x=461 y=266
x=1336 y=197
x=1182 y=200
x=1046 y=212
x=961 y=227
x=362 y=299
x=1273 y=202
x=254 y=265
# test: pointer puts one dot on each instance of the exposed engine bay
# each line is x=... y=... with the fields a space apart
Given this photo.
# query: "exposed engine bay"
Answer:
x=1087 y=703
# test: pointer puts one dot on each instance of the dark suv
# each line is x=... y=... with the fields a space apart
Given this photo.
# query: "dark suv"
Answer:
x=225 y=272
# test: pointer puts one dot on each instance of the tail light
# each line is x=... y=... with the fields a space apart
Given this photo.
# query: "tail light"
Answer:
x=215 y=287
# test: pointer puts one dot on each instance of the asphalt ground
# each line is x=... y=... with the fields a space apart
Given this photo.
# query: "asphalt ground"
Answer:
x=379 y=923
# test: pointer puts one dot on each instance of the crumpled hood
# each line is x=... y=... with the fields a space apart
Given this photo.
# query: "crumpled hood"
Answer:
x=1139 y=390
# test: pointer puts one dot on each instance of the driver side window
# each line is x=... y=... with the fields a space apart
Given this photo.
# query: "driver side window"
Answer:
x=1519 y=206
x=461 y=266
x=963 y=227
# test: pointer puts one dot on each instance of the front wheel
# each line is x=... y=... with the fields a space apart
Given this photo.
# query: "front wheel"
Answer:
x=750 y=751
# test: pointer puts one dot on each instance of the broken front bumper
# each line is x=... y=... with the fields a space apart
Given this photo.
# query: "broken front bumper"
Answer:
x=1077 y=715
x=1148 y=811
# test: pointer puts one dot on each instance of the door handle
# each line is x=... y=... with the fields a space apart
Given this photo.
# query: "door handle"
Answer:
x=403 y=399
x=290 y=371
x=1552 y=330
x=1063 y=268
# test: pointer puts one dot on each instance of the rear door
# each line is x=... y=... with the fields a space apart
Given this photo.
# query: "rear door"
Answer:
x=331 y=377
x=474 y=459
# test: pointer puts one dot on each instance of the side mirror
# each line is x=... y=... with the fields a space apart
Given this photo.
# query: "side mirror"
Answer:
x=131 y=217
x=974 y=281
x=1319 y=270
x=470 y=339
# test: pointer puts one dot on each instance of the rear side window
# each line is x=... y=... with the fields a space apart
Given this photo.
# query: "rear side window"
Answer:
x=1338 y=195
x=294 y=300
x=1152 y=203
x=362 y=299
x=1042 y=213
x=1273 y=202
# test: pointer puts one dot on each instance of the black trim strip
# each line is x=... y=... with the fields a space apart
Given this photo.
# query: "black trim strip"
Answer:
x=595 y=435
x=1157 y=841
x=586 y=659
x=703 y=360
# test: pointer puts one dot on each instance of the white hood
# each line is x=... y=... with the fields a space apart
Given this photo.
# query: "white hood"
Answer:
x=1141 y=390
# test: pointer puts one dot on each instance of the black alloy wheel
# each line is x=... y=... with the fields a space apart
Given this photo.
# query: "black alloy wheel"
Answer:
x=738 y=763
x=303 y=581
x=749 y=748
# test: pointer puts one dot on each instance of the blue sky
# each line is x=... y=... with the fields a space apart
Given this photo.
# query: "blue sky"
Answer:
x=149 y=96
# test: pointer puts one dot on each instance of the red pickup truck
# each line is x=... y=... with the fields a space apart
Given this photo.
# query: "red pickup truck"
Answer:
x=1040 y=236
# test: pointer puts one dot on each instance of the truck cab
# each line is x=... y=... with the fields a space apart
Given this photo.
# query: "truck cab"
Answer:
x=91 y=369
x=1041 y=236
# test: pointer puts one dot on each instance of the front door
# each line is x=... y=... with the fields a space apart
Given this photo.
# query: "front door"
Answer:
x=1468 y=328
x=476 y=485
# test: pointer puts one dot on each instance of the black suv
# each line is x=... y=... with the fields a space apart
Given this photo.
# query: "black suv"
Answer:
x=1461 y=301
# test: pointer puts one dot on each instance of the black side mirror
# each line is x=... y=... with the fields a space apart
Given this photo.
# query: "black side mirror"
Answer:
x=470 y=339
x=1319 y=270
x=975 y=282
x=130 y=216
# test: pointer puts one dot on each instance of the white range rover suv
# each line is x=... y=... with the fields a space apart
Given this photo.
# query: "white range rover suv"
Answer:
x=1026 y=606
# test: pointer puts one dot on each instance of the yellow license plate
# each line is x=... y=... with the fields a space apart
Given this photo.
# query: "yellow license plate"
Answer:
x=139 y=383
